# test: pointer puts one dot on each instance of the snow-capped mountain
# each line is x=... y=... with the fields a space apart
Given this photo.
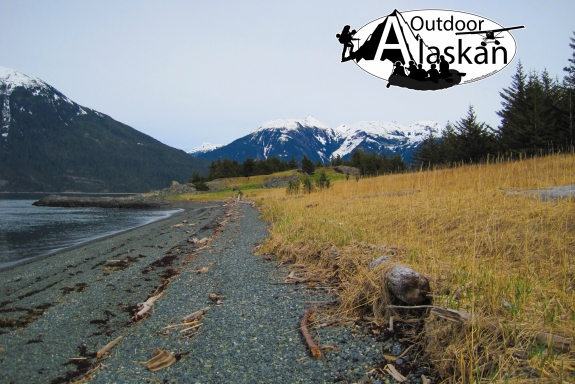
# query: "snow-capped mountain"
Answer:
x=205 y=147
x=11 y=80
x=50 y=143
x=285 y=138
x=384 y=137
x=282 y=138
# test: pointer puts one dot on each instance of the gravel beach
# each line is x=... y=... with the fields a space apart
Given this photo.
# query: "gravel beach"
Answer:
x=71 y=304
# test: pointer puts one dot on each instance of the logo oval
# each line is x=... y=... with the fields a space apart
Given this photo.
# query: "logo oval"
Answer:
x=431 y=49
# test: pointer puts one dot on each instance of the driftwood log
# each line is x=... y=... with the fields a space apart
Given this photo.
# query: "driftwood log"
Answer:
x=195 y=316
x=108 y=347
x=147 y=305
x=314 y=349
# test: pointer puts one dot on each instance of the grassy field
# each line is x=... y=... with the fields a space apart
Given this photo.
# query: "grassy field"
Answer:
x=507 y=259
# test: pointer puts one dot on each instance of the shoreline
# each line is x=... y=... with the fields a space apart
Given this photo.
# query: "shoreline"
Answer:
x=179 y=210
x=56 y=313
x=53 y=304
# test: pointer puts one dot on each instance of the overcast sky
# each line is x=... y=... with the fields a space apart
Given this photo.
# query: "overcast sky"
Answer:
x=186 y=72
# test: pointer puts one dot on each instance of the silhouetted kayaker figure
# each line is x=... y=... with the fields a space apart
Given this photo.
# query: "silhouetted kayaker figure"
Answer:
x=421 y=73
x=399 y=70
x=443 y=67
x=346 y=38
x=412 y=70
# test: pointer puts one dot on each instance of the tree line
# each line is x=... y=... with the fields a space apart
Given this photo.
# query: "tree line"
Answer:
x=536 y=117
x=372 y=164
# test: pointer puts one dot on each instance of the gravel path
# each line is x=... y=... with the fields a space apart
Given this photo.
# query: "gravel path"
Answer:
x=73 y=303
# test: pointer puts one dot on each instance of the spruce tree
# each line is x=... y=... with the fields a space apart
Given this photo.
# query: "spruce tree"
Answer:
x=569 y=90
x=473 y=140
x=307 y=165
x=428 y=153
x=509 y=132
x=292 y=164
x=570 y=77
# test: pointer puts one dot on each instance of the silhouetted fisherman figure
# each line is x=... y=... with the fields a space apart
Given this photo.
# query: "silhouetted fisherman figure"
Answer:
x=433 y=73
x=346 y=38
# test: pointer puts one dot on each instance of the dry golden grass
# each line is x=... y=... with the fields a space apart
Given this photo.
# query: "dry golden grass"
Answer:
x=508 y=259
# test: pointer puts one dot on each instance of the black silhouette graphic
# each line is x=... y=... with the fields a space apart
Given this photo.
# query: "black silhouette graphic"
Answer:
x=399 y=70
x=368 y=50
x=416 y=77
x=346 y=38
x=490 y=34
x=433 y=74
x=412 y=69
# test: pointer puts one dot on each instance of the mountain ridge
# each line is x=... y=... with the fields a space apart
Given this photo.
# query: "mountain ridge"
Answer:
x=284 y=138
x=50 y=143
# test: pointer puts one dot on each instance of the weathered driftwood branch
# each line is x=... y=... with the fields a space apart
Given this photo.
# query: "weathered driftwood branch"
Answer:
x=556 y=342
x=315 y=351
x=102 y=352
x=445 y=313
x=147 y=305
x=162 y=359
x=389 y=368
x=196 y=315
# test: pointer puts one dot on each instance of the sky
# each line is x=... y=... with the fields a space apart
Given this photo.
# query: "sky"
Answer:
x=187 y=72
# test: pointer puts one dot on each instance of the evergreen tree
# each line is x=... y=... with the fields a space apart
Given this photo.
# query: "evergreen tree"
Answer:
x=323 y=181
x=248 y=167
x=307 y=185
x=292 y=164
x=307 y=165
x=355 y=158
x=569 y=91
x=570 y=77
x=473 y=140
x=335 y=161
x=429 y=152
x=509 y=132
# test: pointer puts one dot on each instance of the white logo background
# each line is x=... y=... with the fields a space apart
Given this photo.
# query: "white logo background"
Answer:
x=437 y=29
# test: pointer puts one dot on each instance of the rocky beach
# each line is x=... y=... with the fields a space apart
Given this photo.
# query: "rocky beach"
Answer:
x=56 y=313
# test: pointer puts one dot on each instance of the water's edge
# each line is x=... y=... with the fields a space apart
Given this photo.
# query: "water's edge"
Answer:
x=10 y=265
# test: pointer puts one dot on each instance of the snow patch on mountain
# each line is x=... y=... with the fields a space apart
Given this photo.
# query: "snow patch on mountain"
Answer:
x=11 y=79
x=310 y=137
x=291 y=124
x=375 y=131
x=205 y=147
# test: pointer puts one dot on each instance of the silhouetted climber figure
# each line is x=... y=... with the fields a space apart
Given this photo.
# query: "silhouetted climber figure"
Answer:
x=346 y=38
x=412 y=70
x=433 y=73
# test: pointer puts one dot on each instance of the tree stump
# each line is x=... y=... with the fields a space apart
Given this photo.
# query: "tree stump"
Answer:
x=407 y=285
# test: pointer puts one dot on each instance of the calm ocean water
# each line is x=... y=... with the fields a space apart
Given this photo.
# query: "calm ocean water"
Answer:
x=27 y=231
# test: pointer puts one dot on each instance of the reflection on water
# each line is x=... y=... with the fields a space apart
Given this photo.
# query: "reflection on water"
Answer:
x=27 y=231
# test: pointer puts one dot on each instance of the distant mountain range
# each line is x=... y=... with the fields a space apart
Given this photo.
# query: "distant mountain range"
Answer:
x=285 y=138
x=50 y=143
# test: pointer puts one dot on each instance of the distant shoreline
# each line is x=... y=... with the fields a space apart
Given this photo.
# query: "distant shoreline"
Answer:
x=76 y=193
